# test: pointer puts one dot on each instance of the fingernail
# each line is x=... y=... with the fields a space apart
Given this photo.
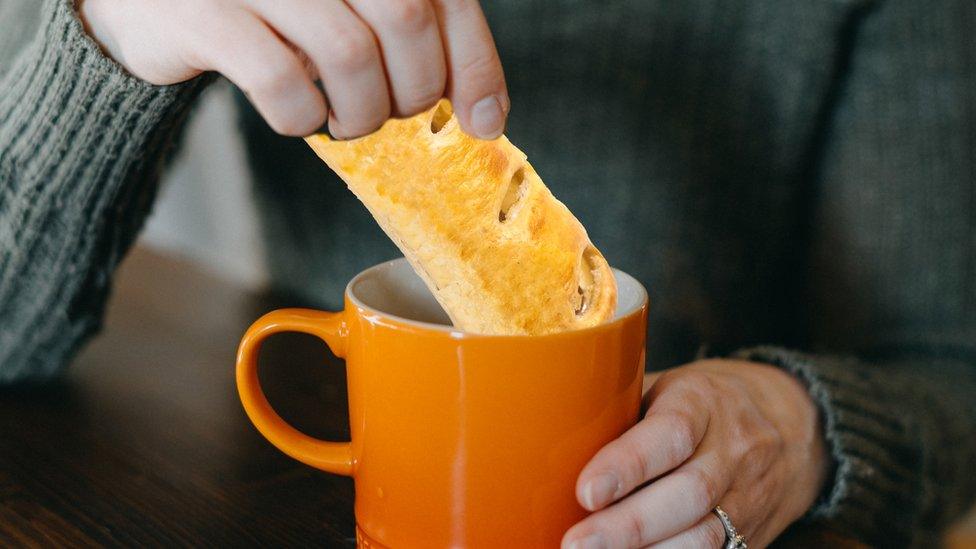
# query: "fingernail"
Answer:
x=600 y=491
x=487 y=119
x=592 y=541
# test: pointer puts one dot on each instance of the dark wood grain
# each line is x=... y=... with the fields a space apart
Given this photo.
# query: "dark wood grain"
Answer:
x=144 y=442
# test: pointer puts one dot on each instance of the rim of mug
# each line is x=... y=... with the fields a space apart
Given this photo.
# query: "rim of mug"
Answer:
x=641 y=304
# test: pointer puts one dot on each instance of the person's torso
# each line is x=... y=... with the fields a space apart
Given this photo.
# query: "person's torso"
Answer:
x=676 y=132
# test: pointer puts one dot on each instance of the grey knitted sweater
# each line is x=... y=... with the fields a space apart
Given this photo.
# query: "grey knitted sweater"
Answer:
x=792 y=179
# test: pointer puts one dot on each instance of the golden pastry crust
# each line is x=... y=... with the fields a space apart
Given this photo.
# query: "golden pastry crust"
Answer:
x=498 y=251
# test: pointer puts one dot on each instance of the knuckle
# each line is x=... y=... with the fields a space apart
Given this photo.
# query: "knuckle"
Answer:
x=669 y=375
x=634 y=530
x=663 y=383
x=272 y=80
x=682 y=437
x=299 y=123
x=481 y=69
x=351 y=50
x=702 y=491
x=742 y=438
x=408 y=15
x=765 y=438
x=755 y=439
x=289 y=127
x=763 y=449
x=774 y=442
x=294 y=117
x=639 y=468
x=421 y=99
x=358 y=128
x=701 y=382
x=312 y=123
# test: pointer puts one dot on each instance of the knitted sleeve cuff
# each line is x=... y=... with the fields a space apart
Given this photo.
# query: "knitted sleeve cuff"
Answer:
x=870 y=495
x=63 y=84
x=81 y=145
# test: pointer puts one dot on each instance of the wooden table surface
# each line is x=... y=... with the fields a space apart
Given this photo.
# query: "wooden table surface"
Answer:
x=144 y=442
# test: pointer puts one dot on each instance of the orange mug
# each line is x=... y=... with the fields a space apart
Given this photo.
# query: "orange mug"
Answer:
x=459 y=439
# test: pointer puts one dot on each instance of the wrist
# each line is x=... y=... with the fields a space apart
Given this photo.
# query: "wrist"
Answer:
x=788 y=402
x=95 y=20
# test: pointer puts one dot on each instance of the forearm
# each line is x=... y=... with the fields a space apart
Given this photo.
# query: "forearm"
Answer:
x=901 y=434
x=81 y=147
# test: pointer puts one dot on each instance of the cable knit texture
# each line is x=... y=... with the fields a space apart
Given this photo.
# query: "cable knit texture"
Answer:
x=893 y=469
x=795 y=173
x=81 y=147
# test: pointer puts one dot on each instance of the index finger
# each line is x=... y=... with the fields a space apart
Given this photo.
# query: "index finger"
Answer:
x=475 y=82
x=667 y=436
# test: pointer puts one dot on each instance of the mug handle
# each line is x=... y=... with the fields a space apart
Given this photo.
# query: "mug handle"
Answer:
x=333 y=457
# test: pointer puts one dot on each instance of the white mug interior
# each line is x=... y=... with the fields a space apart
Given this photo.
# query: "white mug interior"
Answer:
x=394 y=289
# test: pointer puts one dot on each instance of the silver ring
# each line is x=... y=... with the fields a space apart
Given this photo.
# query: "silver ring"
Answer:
x=733 y=539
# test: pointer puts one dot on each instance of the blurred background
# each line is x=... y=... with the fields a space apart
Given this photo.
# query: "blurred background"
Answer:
x=205 y=213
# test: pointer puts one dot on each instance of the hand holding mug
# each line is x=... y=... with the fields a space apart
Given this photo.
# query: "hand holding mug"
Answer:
x=459 y=439
x=375 y=58
x=735 y=434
